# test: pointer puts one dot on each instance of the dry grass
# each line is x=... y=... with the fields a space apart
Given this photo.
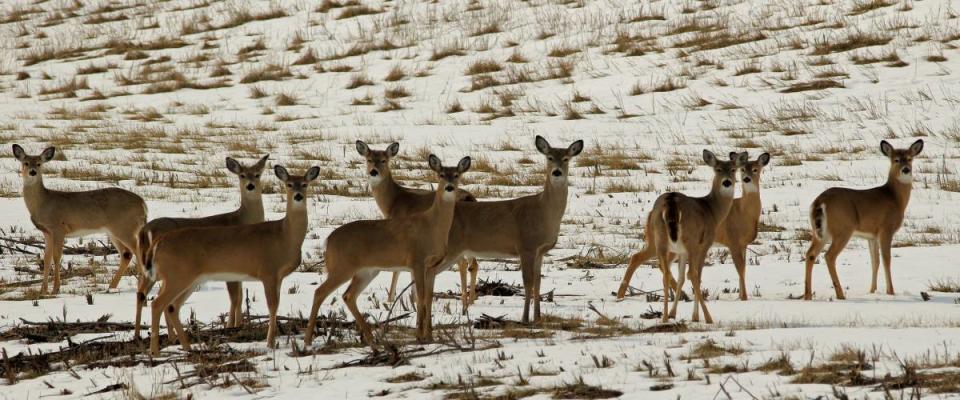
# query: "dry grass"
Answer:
x=482 y=66
x=358 y=80
x=269 y=72
x=851 y=41
x=819 y=84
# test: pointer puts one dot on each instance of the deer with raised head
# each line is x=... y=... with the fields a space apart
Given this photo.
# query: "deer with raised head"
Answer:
x=525 y=228
x=265 y=252
x=359 y=250
x=875 y=214
x=249 y=212
x=395 y=200
x=114 y=211
x=685 y=227
x=736 y=232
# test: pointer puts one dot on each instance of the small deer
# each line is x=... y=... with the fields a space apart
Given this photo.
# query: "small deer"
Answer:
x=684 y=226
x=395 y=200
x=874 y=214
x=114 y=211
x=359 y=250
x=265 y=252
x=736 y=232
x=525 y=227
x=250 y=212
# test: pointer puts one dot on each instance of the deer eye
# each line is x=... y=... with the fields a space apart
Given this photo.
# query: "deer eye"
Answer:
x=257 y=176
x=289 y=185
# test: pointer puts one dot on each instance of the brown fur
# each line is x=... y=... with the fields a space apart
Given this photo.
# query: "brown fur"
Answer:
x=267 y=251
x=60 y=214
x=357 y=251
x=249 y=212
x=876 y=213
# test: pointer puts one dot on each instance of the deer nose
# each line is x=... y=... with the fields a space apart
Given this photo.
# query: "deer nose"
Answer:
x=747 y=179
x=557 y=172
x=33 y=172
x=374 y=172
x=449 y=188
x=727 y=183
x=905 y=170
x=298 y=197
x=250 y=186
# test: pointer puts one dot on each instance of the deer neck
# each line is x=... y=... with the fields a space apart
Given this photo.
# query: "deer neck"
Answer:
x=900 y=189
x=251 y=205
x=750 y=201
x=295 y=222
x=554 y=196
x=385 y=191
x=441 y=213
x=719 y=200
x=34 y=192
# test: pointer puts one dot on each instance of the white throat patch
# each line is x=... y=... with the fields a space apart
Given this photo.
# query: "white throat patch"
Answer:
x=750 y=187
x=375 y=180
x=905 y=178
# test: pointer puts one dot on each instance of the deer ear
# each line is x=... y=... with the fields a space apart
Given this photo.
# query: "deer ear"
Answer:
x=575 y=148
x=394 y=149
x=362 y=148
x=464 y=165
x=263 y=162
x=18 y=152
x=734 y=155
x=281 y=172
x=233 y=165
x=48 y=154
x=886 y=148
x=916 y=147
x=542 y=145
x=313 y=173
x=434 y=163
x=742 y=159
x=764 y=159
x=709 y=158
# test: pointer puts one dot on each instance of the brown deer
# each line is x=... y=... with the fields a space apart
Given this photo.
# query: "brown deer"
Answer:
x=265 y=252
x=395 y=200
x=359 y=250
x=525 y=227
x=874 y=214
x=250 y=212
x=114 y=211
x=736 y=232
x=684 y=226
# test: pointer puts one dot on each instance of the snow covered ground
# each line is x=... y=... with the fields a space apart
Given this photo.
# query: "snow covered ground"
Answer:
x=150 y=96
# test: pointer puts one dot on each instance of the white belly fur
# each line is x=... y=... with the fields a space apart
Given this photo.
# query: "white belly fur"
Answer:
x=86 y=232
x=864 y=235
x=228 y=277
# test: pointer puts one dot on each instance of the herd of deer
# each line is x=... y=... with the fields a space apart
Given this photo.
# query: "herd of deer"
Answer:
x=427 y=232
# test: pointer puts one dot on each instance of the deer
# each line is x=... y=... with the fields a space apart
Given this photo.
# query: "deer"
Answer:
x=249 y=212
x=265 y=252
x=359 y=250
x=683 y=226
x=525 y=228
x=874 y=214
x=395 y=200
x=58 y=214
x=735 y=232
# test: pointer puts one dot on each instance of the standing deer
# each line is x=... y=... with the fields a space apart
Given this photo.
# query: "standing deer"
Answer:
x=684 y=226
x=359 y=250
x=265 y=252
x=395 y=200
x=874 y=214
x=114 y=211
x=525 y=227
x=250 y=212
x=736 y=232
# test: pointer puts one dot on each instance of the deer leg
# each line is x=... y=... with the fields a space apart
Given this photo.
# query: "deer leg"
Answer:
x=678 y=284
x=474 y=271
x=126 y=255
x=420 y=281
x=146 y=284
x=462 y=266
x=57 y=253
x=816 y=246
x=667 y=283
x=874 y=262
x=392 y=292
x=427 y=298
x=886 y=243
x=328 y=286
x=271 y=289
x=169 y=291
x=47 y=260
x=235 y=292
x=739 y=256
x=635 y=260
x=173 y=320
x=696 y=269
x=837 y=246
x=537 y=265
x=360 y=281
x=526 y=271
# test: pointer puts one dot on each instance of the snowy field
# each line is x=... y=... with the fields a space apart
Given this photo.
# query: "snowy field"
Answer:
x=151 y=96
